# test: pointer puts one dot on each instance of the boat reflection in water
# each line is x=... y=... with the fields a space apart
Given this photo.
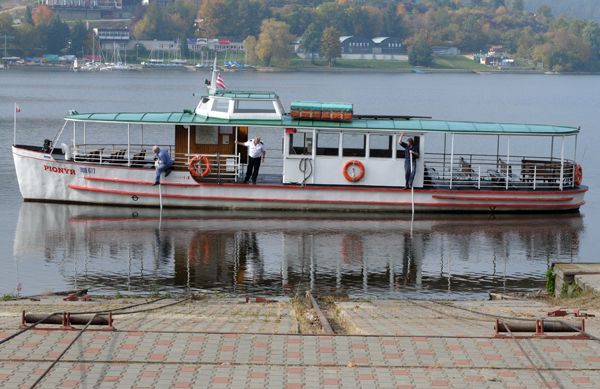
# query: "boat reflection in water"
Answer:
x=141 y=250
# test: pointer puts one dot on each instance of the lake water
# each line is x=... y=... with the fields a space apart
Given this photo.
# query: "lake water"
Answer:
x=53 y=247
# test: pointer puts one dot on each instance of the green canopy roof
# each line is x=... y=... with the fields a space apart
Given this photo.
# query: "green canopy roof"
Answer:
x=388 y=124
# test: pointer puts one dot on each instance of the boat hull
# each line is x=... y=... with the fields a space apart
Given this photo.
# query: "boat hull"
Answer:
x=43 y=178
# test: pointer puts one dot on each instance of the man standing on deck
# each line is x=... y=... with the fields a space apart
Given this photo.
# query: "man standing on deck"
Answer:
x=256 y=154
x=164 y=163
x=411 y=153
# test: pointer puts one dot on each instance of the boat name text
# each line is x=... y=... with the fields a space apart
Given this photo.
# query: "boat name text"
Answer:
x=60 y=170
x=87 y=170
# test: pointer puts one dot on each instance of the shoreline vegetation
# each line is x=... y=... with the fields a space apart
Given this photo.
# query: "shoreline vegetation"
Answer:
x=439 y=65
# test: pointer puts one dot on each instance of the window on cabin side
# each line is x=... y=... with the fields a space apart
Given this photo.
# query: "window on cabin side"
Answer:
x=380 y=146
x=354 y=145
x=328 y=143
x=301 y=143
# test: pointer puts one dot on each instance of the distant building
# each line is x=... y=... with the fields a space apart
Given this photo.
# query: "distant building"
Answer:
x=380 y=48
x=160 y=3
x=388 y=45
x=89 y=9
x=445 y=50
x=157 y=46
x=109 y=37
x=356 y=45
x=100 y=4
x=214 y=44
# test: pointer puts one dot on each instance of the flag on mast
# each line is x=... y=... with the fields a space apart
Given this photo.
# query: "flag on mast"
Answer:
x=17 y=108
x=220 y=82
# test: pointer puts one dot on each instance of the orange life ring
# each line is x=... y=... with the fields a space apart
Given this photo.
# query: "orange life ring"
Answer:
x=348 y=165
x=578 y=174
x=195 y=166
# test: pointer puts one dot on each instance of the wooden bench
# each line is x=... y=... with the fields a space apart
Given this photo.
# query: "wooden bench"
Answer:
x=547 y=171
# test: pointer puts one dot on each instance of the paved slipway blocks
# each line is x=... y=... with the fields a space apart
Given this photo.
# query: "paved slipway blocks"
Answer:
x=230 y=343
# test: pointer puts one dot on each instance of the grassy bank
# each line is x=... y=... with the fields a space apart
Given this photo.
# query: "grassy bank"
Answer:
x=440 y=63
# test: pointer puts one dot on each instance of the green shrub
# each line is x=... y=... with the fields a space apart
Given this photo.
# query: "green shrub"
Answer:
x=550 y=281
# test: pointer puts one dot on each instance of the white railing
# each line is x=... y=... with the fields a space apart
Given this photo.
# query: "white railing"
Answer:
x=222 y=167
x=491 y=172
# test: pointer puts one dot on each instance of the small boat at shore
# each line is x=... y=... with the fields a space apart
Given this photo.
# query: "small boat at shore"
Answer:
x=331 y=159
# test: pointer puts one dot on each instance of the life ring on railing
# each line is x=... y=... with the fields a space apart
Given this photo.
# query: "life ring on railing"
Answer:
x=350 y=167
x=578 y=174
x=199 y=166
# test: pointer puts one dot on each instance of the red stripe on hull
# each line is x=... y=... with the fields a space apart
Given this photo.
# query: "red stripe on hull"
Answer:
x=513 y=199
x=307 y=201
x=135 y=182
x=347 y=187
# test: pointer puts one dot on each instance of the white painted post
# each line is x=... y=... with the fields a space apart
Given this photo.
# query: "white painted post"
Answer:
x=507 y=161
x=478 y=177
x=562 y=161
x=534 y=176
x=574 y=163
x=451 y=158
x=128 y=145
x=412 y=188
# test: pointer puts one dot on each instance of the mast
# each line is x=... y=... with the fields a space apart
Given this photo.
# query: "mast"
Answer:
x=213 y=80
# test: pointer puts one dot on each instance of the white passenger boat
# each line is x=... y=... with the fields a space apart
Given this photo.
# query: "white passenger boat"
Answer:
x=331 y=159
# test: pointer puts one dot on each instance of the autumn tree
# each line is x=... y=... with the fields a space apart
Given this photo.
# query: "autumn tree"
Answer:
x=250 y=49
x=80 y=38
x=231 y=18
x=28 y=18
x=54 y=35
x=42 y=14
x=311 y=41
x=420 y=53
x=273 y=42
x=331 y=48
x=177 y=21
x=6 y=24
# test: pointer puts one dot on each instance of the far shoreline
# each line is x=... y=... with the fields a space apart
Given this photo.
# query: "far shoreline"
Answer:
x=324 y=69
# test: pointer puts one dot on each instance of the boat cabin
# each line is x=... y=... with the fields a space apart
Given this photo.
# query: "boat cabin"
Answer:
x=327 y=144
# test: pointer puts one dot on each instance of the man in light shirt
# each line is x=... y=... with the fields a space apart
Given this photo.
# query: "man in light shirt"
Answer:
x=256 y=154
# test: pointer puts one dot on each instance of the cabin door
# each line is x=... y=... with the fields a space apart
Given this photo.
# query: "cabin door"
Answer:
x=205 y=140
x=242 y=136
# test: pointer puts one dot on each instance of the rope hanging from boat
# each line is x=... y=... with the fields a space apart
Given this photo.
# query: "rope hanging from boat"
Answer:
x=349 y=170
x=199 y=166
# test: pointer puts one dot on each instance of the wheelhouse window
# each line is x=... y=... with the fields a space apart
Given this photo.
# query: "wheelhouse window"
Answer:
x=207 y=135
x=380 y=146
x=221 y=105
x=354 y=145
x=301 y=143
x=254 y=106
x=328 y=143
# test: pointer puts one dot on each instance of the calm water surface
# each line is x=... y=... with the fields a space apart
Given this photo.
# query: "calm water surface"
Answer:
x=56 y=247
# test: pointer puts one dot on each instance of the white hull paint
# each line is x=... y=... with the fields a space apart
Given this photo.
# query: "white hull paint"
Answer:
x=42 y=178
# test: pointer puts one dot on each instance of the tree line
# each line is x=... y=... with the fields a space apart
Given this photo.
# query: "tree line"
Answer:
x=268 y=27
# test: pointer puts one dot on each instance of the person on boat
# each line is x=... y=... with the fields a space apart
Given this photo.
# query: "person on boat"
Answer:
x=256 y=154
x=164 y=163
x=411 y=154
